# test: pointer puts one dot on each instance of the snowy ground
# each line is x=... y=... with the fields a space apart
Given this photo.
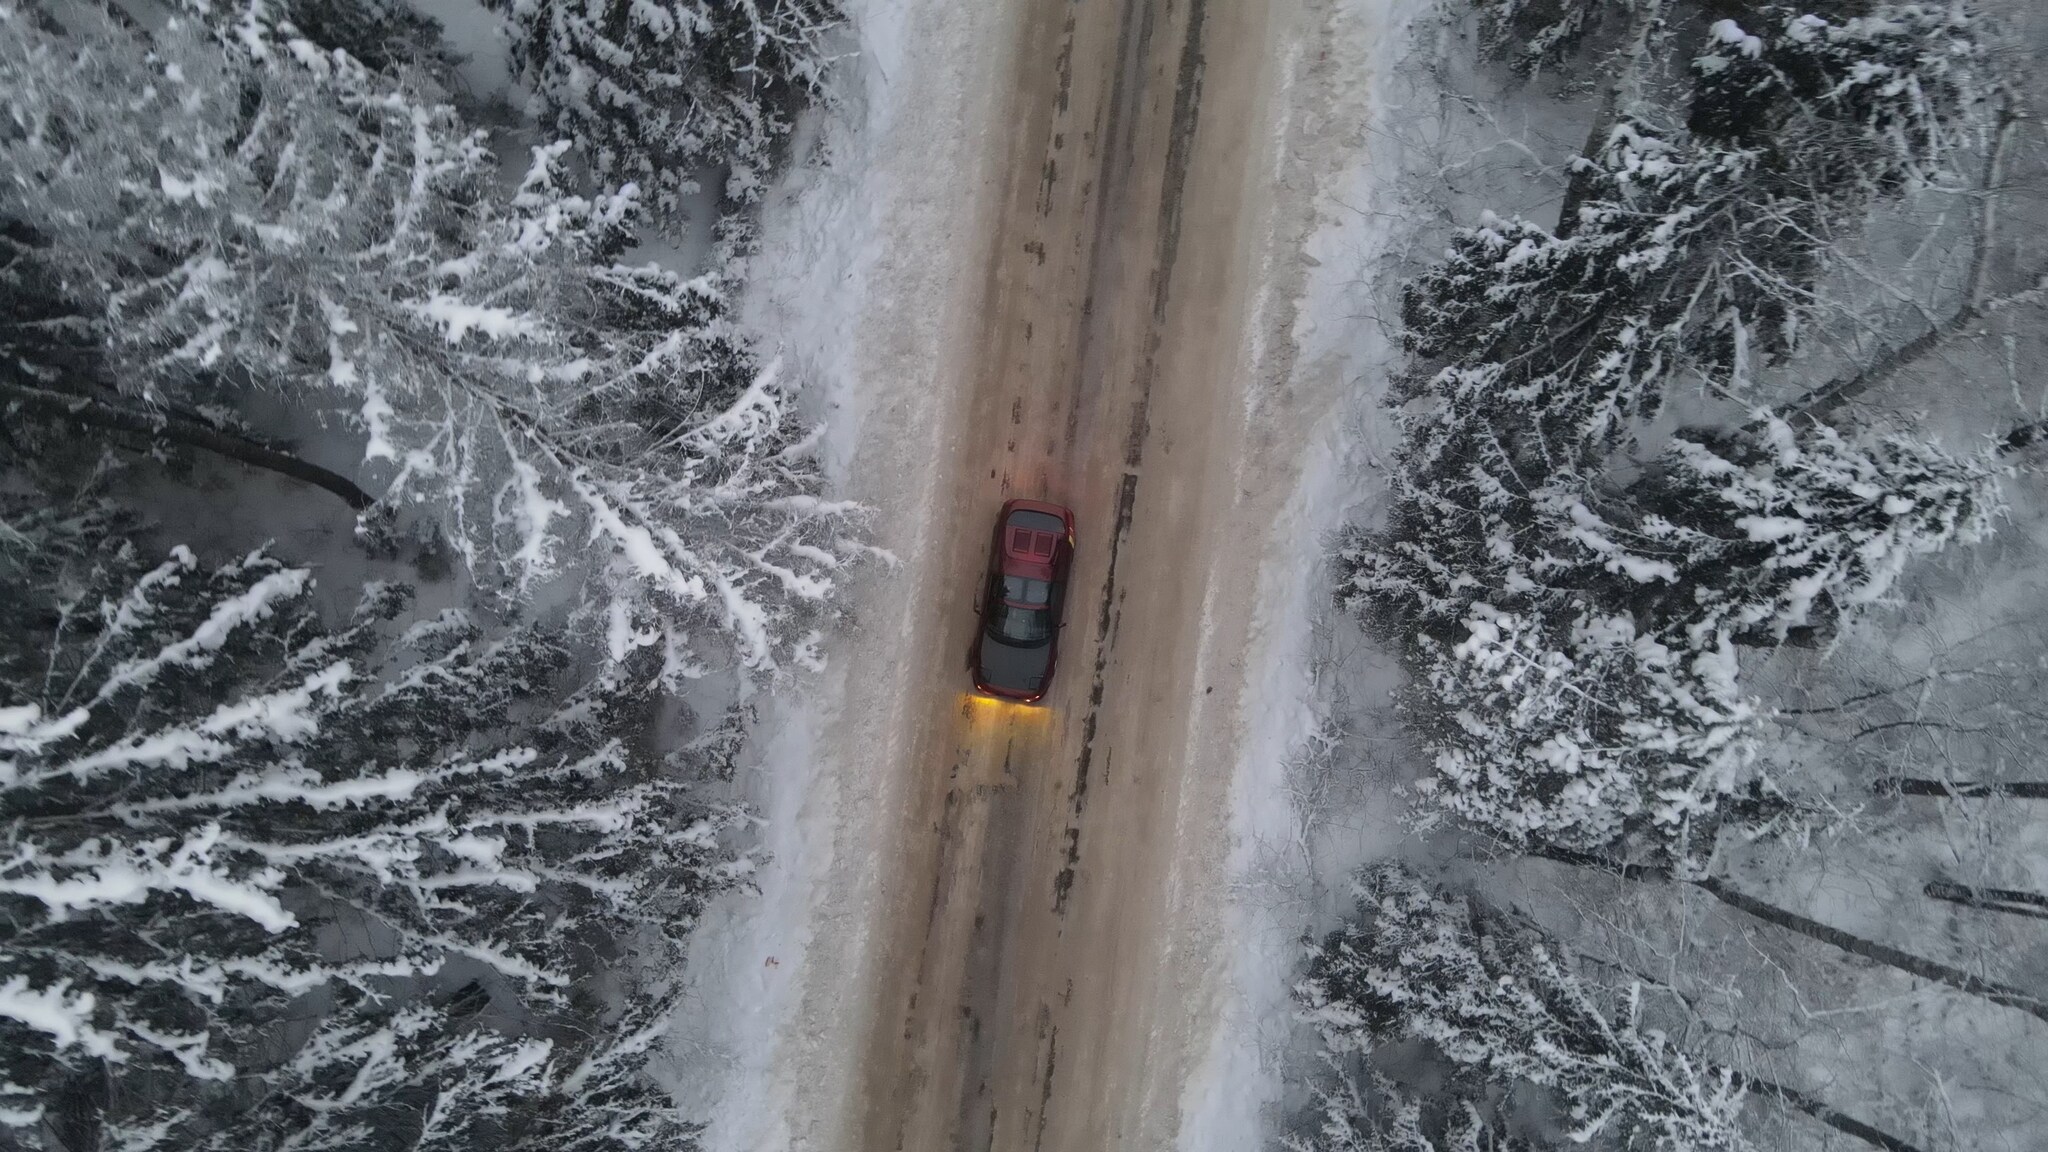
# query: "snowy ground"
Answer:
x=1305 y=813
x=852 y=283
x=884 y=167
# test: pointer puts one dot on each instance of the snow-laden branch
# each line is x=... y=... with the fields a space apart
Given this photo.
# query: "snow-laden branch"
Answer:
x=1497 y=997
x=658 y=91
x=277 y=217
x=314 y=808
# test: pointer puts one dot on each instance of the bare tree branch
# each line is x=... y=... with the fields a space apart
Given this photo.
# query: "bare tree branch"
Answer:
x=1819 y=403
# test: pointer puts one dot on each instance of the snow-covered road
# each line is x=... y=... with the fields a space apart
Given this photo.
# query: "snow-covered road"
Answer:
x=1056 y=253
x=1049 y=910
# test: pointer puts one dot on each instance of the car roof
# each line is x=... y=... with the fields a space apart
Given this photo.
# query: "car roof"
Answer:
x=1029 y=543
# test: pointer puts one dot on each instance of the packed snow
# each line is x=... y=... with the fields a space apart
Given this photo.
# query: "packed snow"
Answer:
x=851 y=287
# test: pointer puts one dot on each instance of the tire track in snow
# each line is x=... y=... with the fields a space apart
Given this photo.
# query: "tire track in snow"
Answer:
x=1186 y=106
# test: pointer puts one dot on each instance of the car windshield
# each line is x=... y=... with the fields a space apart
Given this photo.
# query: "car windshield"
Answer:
x=1024 y=627
x=1025 y=591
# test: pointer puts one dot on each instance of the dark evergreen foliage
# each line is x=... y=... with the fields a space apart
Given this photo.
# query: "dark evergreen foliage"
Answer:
x=1494 y=996
x=662 y=92
x=1873 y=98
x=223 y=814
x=1570 y=613
x=386 y=35
x=1532 y=35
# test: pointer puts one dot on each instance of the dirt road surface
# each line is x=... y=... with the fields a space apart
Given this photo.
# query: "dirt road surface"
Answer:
x=1049 y=869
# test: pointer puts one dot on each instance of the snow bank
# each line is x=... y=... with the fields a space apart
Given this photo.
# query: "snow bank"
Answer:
x=1240 y=1075
x=855 y=288
x=1284 y=877
x=749 y=946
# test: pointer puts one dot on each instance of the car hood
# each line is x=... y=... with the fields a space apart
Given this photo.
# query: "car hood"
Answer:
x=1016 y=669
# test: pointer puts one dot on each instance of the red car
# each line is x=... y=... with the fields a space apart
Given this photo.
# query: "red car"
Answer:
x=1018 y=641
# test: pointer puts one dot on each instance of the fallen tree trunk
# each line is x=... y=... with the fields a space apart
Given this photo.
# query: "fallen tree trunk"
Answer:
x=123 y=415
x=1833 y=1118
x=1961 y=789
x=1918 y=966
x=2012 y=901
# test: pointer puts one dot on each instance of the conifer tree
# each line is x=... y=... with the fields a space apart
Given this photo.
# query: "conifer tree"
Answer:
x=658 y=92
x=1532 y=35
x=1497 y=997
x=223 y=813
x=267 y=218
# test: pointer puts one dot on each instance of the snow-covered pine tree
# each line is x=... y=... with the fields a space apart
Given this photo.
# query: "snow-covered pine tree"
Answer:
x=408 y=1075
x=1689 y=250
x=223 y=815
x=1342 y=1119
x=383 y=34
x=602 y=1099
x=1535 y=34
x=1573 y=646
x=268 y=217
x=1380 y=1116
x=1554 y=716
x=663 y=92
x=1556 y=344
x=1582 y=732
x=1497 y=996
x=1835 y=114
x=1768 y=530
x=1847 y=106
x=1752 y=532
x=420 y=1078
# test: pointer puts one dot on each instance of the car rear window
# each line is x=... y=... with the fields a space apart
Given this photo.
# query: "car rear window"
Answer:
x=1023 y=590
x=1026 y=627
